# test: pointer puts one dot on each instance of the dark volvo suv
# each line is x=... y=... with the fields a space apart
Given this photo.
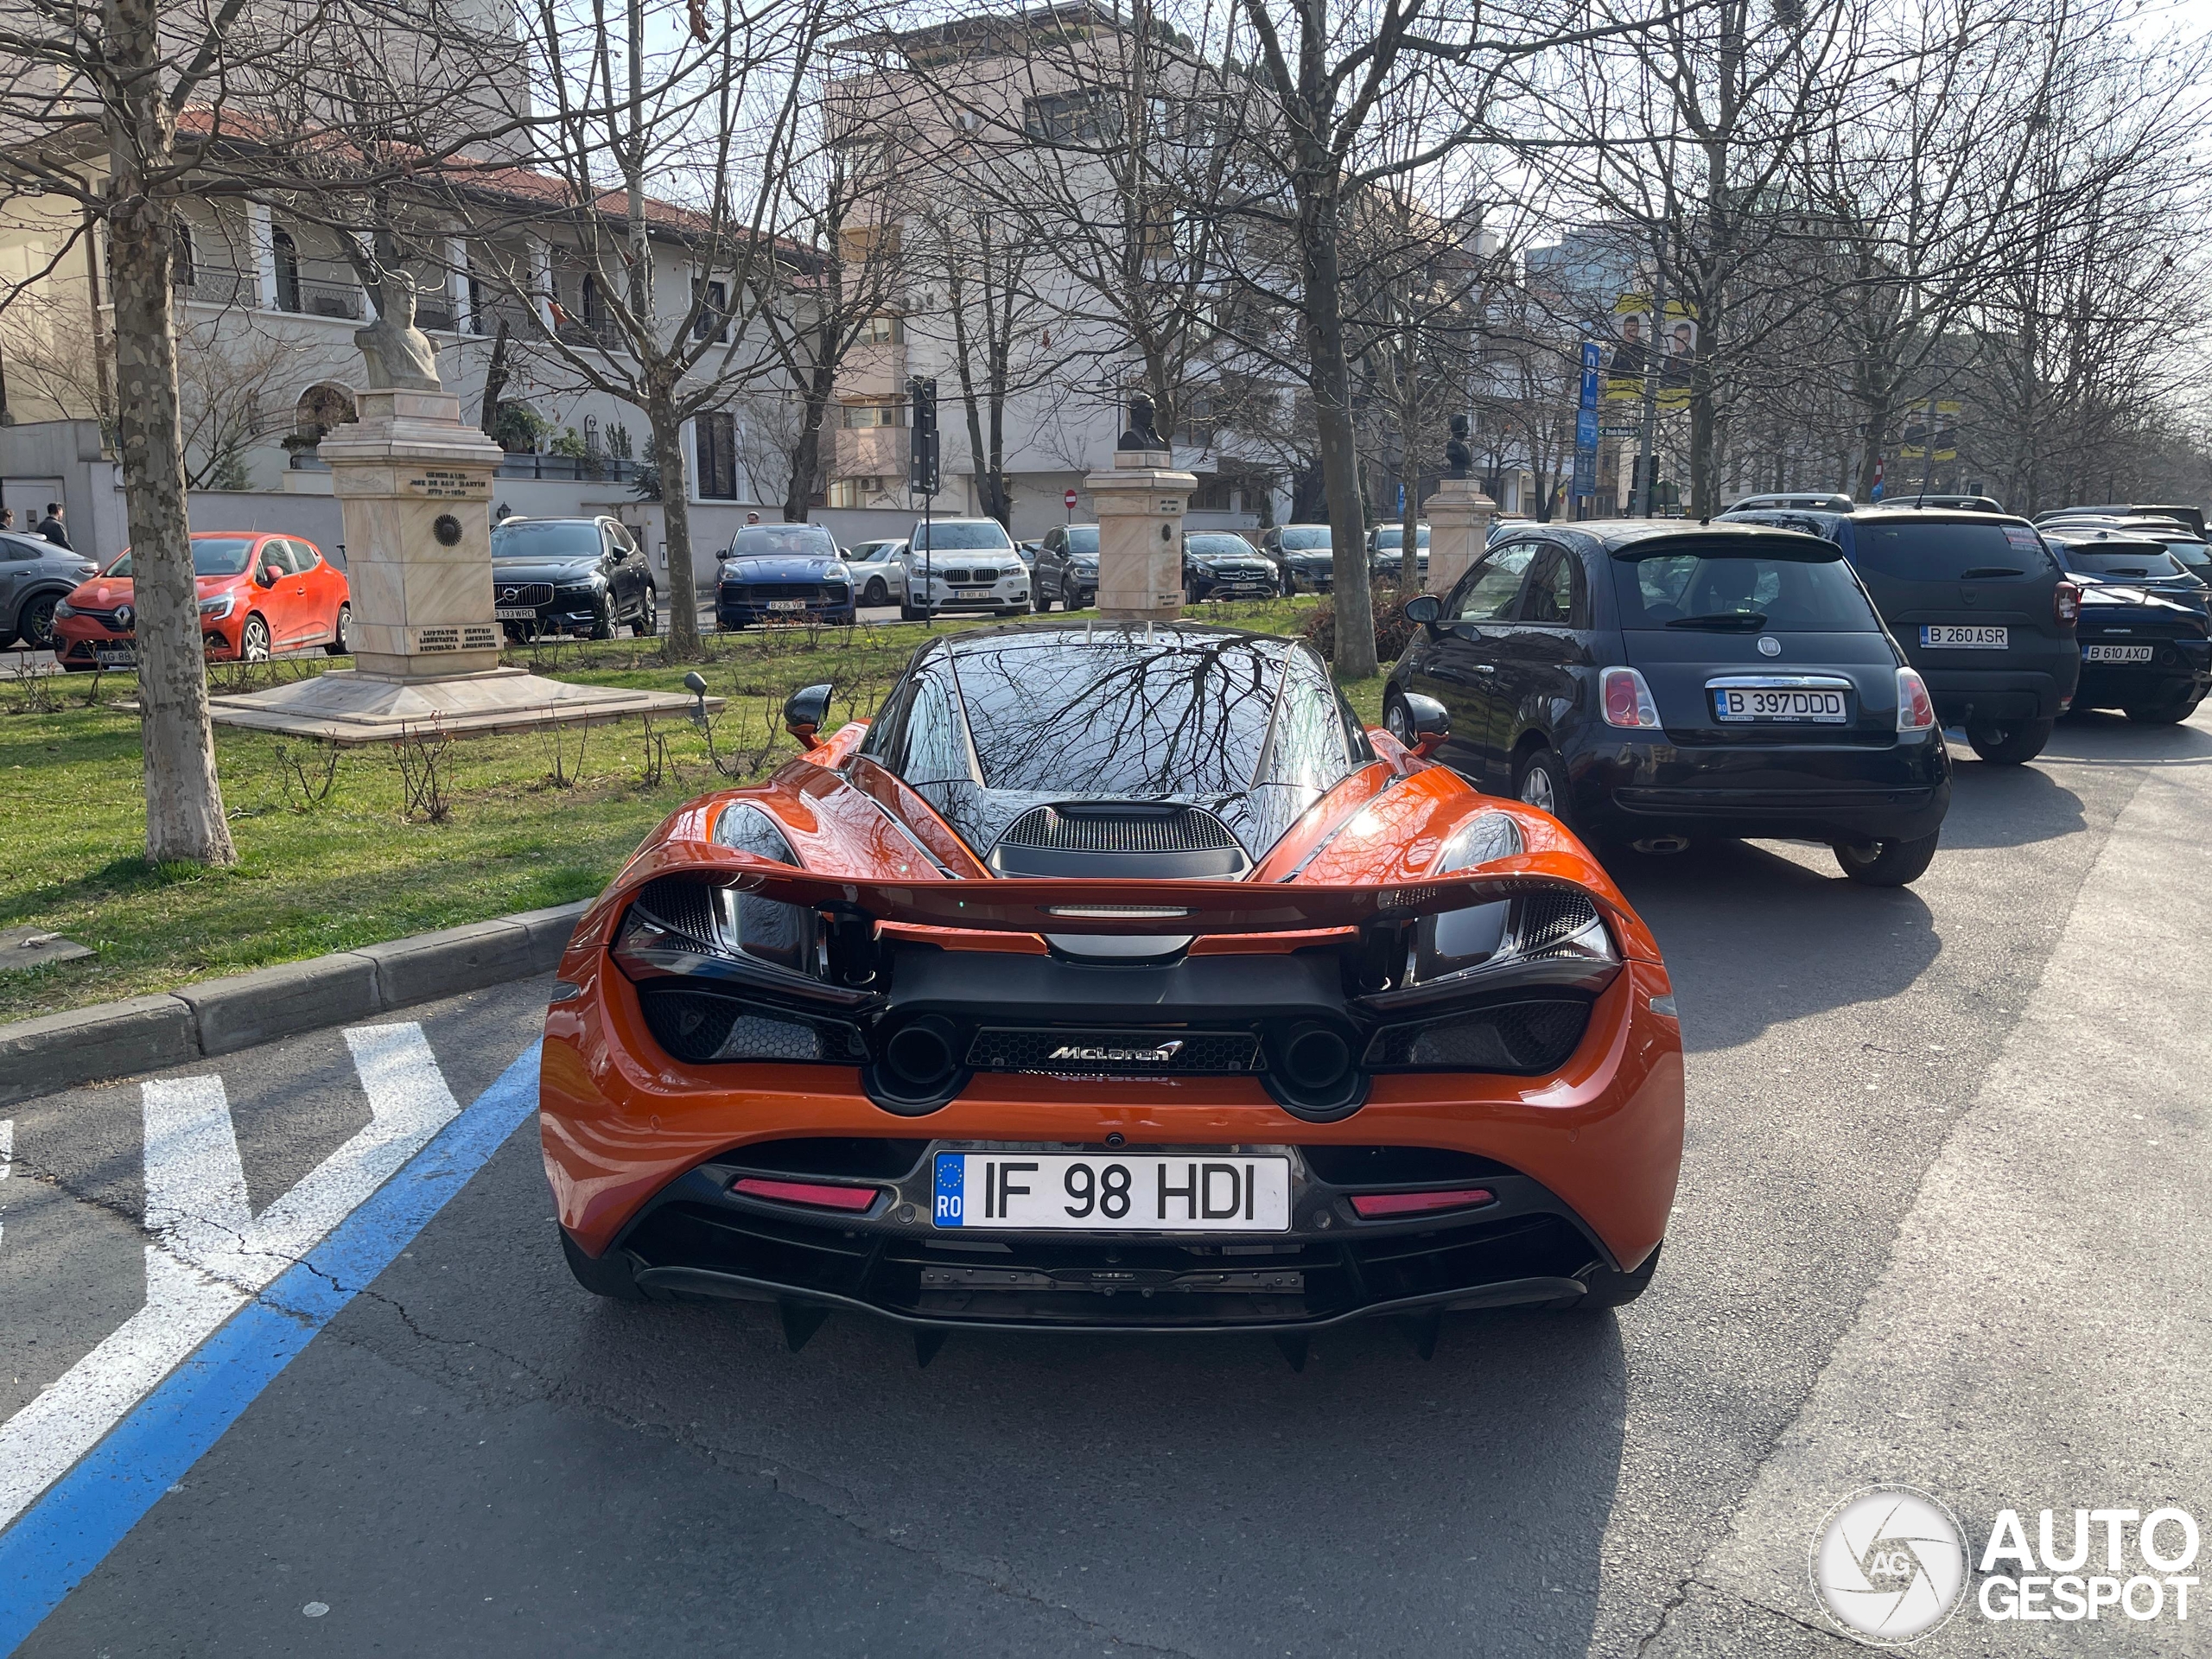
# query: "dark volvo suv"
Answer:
x=1980 y=605
x=1648 y=681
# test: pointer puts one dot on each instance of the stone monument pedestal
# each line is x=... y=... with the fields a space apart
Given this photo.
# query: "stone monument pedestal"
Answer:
x=414 y=485
x=1141 y=502
x=1459 y=516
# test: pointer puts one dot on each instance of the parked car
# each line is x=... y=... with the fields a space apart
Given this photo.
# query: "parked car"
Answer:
x=781 y=1065
x=1304 y=560
x=1980 y=605
x=580 y=576
x=1028 y=550
x=1919 y=503
x=963 y=565
x=2091 y=554
x=1799 y=500
x=35 y=575
x=2181 y=514
x=1650 y=680
x=1066 y=572
x=1384 y=555
x=2183 y=543
x=783 y=573
x=877 y=575
x=2142 y=653
x=259 y=593
x=1218 y=564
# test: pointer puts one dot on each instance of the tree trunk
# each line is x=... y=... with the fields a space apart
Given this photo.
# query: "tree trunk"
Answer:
x=1325 y=329
x=1873 y=429
x=681 y=643
x=806 y=454
x=184 y=799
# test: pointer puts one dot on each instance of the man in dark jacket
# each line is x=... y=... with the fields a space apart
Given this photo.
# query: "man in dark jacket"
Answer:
x=50 y=526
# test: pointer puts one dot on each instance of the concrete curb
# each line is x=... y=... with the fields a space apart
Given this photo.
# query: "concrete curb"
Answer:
x=220 y=1016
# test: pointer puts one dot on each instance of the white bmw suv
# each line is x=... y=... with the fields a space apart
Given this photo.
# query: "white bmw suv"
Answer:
x=963 y=565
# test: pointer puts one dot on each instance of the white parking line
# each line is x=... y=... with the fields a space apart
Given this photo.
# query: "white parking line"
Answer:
x=210 y=1254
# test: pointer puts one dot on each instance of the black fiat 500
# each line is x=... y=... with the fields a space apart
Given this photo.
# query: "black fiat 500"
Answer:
x=1649 y=681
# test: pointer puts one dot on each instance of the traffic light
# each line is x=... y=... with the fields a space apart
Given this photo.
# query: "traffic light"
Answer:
x=922 y=475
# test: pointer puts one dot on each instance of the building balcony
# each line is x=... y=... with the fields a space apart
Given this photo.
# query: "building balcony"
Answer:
x=871 y=370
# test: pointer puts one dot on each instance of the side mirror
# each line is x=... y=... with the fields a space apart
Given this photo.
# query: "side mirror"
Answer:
x=1432 y=721
x=803 y=713
x=1426 y=609
x=266 y=576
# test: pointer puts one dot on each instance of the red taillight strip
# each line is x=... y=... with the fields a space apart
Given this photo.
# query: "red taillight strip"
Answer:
x=853 y=1199
x=1373 y=1206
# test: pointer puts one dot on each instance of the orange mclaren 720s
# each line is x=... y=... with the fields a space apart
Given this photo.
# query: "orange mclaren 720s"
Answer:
x=1113 y=978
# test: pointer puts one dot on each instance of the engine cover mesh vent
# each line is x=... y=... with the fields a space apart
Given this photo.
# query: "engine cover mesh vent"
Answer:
x=1117 y=828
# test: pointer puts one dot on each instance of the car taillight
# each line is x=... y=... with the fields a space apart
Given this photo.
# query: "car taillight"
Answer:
x=1374 y=1206
x=1915 y=708
x=2066 y=604
x=1627 y=701
x=820 y=1197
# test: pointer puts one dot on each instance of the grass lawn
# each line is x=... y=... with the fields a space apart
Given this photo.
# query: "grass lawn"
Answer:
x=531 y=821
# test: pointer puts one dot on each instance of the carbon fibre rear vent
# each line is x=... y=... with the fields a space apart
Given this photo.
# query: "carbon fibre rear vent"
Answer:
x=1116 y=828
x=1549 y=918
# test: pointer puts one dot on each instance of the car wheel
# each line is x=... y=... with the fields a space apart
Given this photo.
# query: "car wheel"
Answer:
x=648 y=622
x=909 y=611
x=602 y=621
x=2163 y=713
x=1397 y=718
x=1887 y=863
x=1610 y=1288
x=611 y=1277
x=2013 y=745
x=34 y=626
x=876 y=593
x=1190 y=591
x=1542 y=783
x=341 y=632
x=253 y=641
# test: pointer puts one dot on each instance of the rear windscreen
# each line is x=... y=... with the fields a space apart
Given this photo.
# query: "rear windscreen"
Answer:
x=1941 y=552
x=1741 y=591
x=2139 y=560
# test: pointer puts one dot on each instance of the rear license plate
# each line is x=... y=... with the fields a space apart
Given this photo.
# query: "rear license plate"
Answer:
x=117 y=656
x=1739 y=703
x=2118 y=653
x=1956 y=637
x=1169 y=1192
x=515 y=613
x=786 y=604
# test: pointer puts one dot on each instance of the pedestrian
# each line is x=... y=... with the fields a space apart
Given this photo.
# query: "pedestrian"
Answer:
x=6 y=518
x=50 y=526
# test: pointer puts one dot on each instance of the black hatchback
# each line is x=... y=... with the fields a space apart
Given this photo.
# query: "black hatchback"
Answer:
x=1648 y=682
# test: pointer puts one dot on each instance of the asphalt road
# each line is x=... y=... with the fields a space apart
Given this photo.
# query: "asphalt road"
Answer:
x=1944 y=1221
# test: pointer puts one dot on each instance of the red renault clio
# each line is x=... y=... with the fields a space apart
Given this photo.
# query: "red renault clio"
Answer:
x=258 y=594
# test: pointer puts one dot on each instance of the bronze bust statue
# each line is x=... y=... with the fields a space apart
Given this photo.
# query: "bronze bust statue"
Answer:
x=1456 y=455
x=1140 y=434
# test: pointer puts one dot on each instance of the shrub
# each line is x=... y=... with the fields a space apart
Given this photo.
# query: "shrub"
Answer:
x=1394 y=632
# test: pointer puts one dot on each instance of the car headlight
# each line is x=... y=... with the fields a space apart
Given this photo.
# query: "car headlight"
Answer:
x=62 y=607
x=1202 y=567
x=838 y=573
x=1086 y=567
x=214 y=609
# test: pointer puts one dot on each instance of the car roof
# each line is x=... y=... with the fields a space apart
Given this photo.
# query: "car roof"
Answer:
x=1818 y=500
x=1617 y=535
x=1157 y=636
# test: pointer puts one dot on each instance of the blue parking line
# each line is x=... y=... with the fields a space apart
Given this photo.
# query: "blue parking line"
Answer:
x=86 y=1514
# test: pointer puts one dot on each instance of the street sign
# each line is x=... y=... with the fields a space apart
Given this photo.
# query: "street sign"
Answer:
x=922 y=476
x=1585 y=473
x=1069 y=500
x=1586 y=428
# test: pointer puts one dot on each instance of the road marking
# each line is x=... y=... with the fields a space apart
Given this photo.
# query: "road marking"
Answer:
x=7 y=1155
x=209 y=1254
x=69 y=1529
